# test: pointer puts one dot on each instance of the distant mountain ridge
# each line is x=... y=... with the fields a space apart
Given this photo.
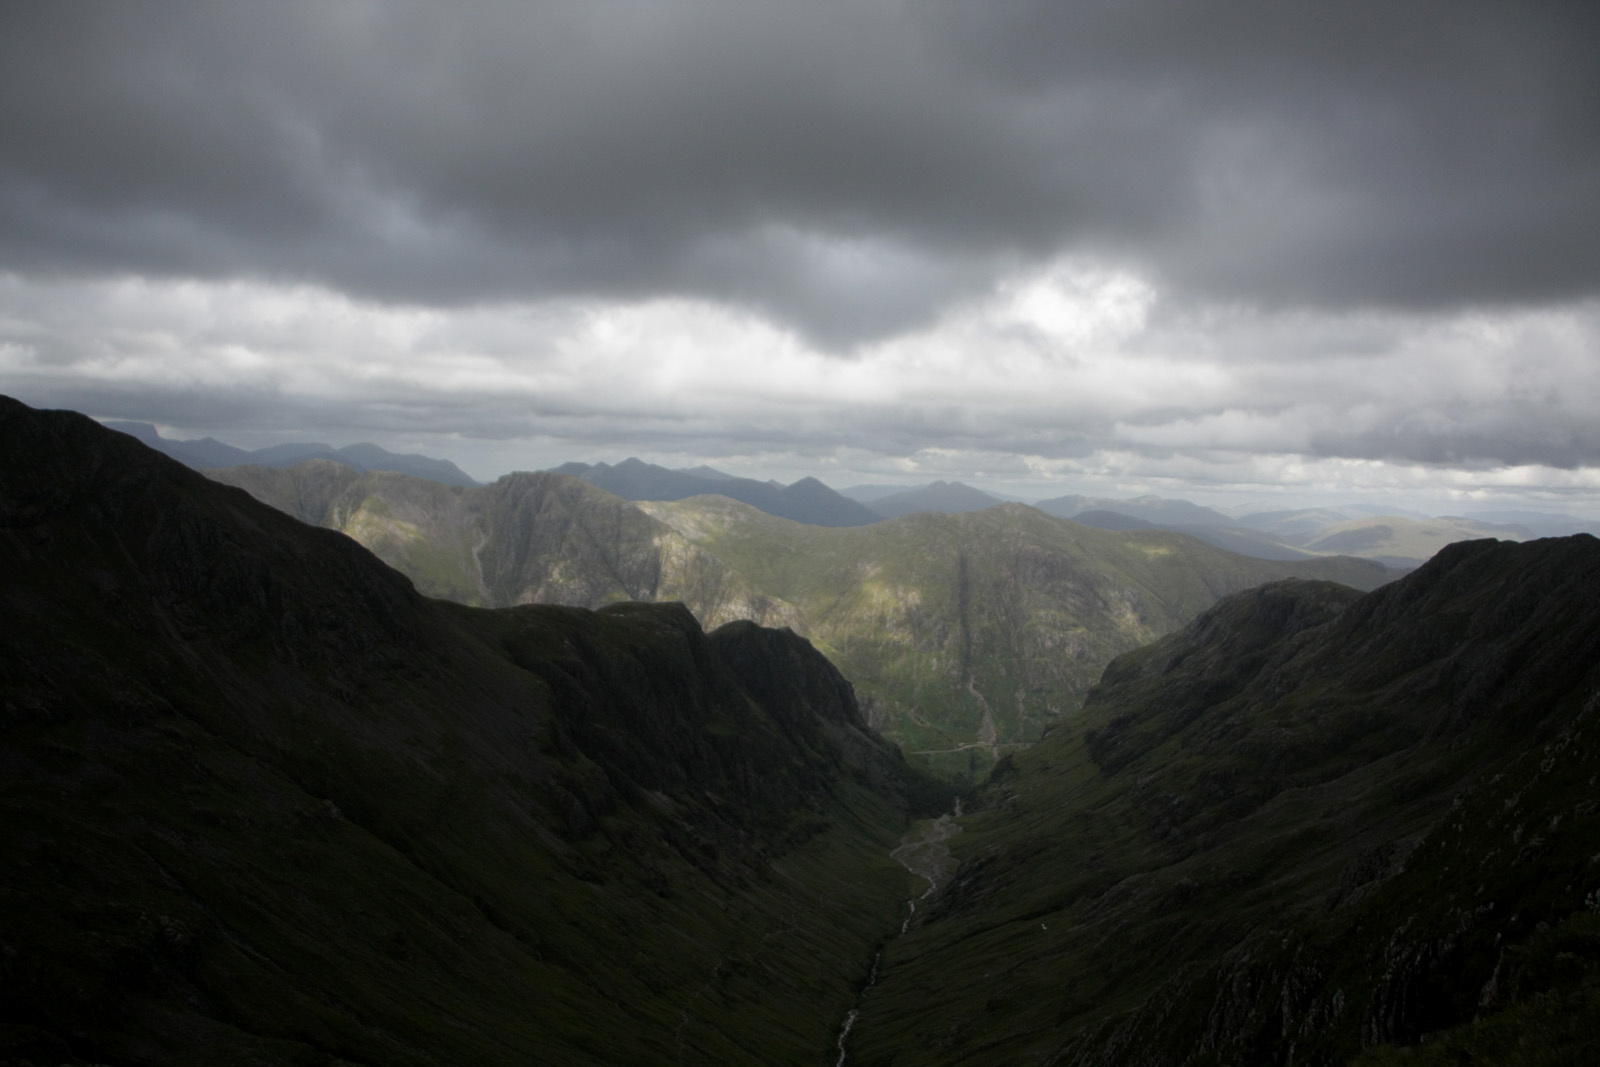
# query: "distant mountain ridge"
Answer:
x=207 y=452
x=947 y=498
x=807 y=500
x=528 y=538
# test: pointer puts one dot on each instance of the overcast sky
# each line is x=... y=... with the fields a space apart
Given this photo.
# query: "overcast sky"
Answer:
x=1229 y=251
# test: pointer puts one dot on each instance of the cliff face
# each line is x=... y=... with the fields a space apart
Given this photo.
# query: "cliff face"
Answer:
x=526 y=539
x=1310 y=824
x=264 y=803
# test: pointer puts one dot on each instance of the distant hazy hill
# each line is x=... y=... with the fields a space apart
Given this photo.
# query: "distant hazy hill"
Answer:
x=866 y=494
x=526 y=539
x=1152 y=509
x=947 y=498
x=208 y=452
x=1538 y=523
x=1402 y=541
x=1309 y=823
x=1180 y=516
x=808 y=500
x=264 y=804
x=968 y=634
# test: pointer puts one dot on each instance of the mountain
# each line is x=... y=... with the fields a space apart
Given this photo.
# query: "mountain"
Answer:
x=958 y=681
x=1241 y=539
x=866 y=494
x=944 y=497
x=526 y=539
x=807 y=501
x=1399 y=541
x=704 y=471
x=208 y=452
x=1152 y=509
x=266 y=804
x=1538 y=523
x=1297 y=524
x=967 y=635
x=1113 y=520
x=1312 y=827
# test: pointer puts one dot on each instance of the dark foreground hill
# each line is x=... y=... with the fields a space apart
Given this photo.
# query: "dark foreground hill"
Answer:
x=1310 y=826
x=262 y=803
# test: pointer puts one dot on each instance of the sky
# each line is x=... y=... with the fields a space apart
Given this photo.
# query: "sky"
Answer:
x=1274 y=252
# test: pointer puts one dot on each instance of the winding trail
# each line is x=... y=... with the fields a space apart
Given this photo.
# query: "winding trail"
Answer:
x=927 y=856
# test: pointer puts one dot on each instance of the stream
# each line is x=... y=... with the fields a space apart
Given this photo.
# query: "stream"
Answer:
x=927 y=856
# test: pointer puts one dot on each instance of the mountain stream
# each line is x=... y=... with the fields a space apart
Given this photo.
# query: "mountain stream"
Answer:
x=925 y=855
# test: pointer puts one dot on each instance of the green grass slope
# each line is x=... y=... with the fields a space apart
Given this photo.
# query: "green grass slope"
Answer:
x=967 y=635
x=1310 y=826
x=262 y=803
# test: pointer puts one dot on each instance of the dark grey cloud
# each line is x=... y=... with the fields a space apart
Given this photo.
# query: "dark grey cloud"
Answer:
x=846 y=169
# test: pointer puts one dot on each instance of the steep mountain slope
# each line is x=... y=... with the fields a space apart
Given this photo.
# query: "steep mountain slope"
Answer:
x=806 y=501
x=968 y=634
x=1308 y=824
x=262 y=803
x=527 y=538
x=208 y=452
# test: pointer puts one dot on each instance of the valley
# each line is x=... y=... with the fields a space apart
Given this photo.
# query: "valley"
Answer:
x=965 y=635
x=267 y=803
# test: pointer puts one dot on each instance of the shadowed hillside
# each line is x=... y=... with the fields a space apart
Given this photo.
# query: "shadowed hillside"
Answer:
x=265 y=804
x=1309 y=824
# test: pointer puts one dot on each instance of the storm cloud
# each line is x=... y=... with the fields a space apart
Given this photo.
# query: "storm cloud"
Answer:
x=1363 y=232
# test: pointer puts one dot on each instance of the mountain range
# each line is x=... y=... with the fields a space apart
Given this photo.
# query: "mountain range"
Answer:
x=207 y=452
x=267 y=804
x=964 y=634
x=807 y=500
x=1397 y=538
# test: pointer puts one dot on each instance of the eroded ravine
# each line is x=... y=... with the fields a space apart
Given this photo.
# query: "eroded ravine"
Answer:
x=925 y=854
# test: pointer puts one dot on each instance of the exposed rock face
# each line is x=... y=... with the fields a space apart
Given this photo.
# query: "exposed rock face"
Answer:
x=1308 y=824
x=525 y=539
x=265 y=803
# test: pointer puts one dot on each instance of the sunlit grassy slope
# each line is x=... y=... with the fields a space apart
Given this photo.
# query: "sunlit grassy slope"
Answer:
x=966 y=635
